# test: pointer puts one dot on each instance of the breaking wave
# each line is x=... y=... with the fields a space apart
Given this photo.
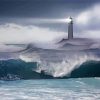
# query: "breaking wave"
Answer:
x=65 y=67
x=35 y=68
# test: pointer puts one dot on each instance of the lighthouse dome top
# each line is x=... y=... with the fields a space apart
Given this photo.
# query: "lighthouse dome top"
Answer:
x=70 y=19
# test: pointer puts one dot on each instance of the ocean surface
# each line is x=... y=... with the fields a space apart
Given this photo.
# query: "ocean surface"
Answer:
x=51 y=89
x=69 y=70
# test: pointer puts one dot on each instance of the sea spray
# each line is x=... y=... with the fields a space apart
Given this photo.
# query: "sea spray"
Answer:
x=37 y=63
x=64 y=68
x=14 y=69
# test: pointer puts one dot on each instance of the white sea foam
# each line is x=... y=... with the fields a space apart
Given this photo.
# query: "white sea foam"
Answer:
x=66 y=66
x=57 y=63
x=49 y=90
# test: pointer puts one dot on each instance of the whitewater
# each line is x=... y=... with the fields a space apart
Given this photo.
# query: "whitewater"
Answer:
x=48 y=89
x=64 y=59
x=54 y=70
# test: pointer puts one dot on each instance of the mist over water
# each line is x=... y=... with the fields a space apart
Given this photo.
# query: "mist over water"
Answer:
x=54 y=54
x=48 y=63
x=38 y=61
x=27 y=34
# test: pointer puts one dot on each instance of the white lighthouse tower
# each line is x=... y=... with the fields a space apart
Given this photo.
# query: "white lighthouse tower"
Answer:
x=70 y=28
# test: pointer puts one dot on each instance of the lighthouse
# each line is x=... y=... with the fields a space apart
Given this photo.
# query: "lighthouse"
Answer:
x=70 y=28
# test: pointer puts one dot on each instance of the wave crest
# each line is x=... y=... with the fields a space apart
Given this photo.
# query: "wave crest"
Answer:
x=65 y=67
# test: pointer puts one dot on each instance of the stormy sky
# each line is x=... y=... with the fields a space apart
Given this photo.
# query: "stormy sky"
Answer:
x=20 y=14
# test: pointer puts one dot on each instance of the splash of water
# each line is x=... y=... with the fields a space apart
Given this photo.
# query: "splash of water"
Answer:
x=66 y=66
x=63 y=68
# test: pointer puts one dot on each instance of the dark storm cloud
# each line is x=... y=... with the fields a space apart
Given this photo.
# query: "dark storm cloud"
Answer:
x=42 y=8
x=24 y=12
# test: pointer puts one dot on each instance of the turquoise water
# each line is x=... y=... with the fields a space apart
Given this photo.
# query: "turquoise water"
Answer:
x=51 y=89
